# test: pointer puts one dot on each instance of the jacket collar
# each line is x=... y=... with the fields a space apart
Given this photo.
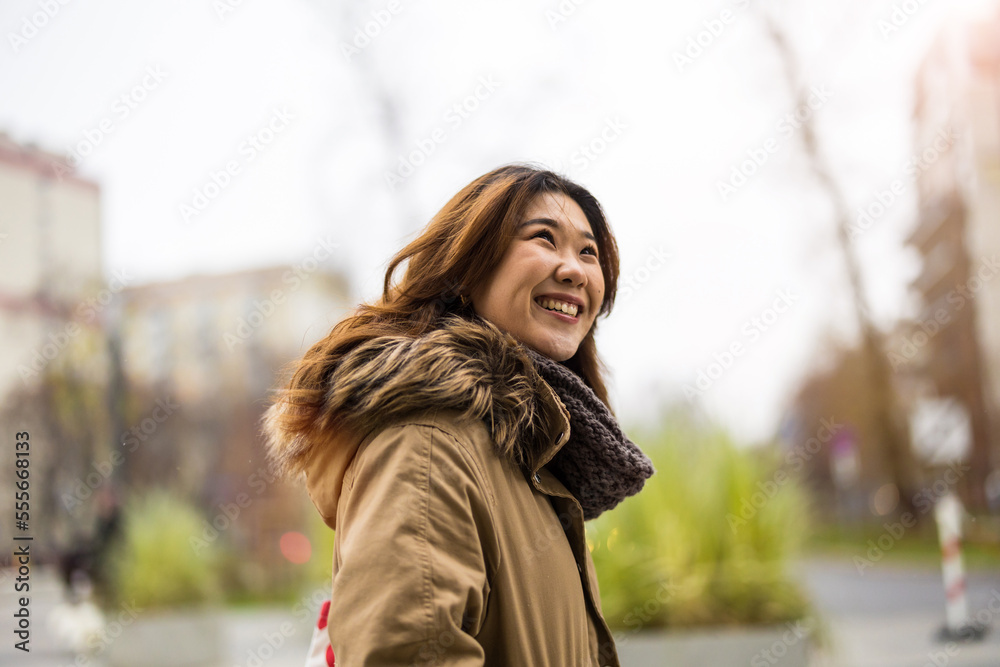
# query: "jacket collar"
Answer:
x=557 y=418
x=468 y=365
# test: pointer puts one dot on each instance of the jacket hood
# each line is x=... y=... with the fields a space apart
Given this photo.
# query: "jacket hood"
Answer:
x=468 y=365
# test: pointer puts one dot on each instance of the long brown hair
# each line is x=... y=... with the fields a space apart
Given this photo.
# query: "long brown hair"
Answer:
x=460 y=247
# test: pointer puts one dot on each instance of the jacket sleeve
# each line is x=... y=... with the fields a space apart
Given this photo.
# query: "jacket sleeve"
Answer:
x=410 y=581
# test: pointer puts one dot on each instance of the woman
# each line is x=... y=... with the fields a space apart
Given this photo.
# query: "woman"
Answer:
x=456 y=435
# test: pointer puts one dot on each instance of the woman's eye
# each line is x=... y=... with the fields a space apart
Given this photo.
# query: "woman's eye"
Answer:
x=546 y=233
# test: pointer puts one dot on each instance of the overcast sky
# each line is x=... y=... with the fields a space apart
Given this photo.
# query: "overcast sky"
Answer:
x=157 y=99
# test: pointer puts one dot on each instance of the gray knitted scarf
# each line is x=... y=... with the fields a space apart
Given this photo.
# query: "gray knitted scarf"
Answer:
x=599 y=465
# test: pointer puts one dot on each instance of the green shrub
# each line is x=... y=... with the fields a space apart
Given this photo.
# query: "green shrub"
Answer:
x=155 y=565
x=696 y=546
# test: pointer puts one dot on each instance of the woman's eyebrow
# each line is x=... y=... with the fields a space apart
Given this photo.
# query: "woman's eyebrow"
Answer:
x=549 y=222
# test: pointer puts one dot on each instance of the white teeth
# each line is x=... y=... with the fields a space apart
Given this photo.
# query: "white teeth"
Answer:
x=570 y=309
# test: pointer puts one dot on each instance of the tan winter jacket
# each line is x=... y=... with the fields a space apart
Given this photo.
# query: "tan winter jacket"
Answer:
x=446 y=552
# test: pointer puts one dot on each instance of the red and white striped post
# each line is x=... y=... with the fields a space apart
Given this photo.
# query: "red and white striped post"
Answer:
x=948 y=512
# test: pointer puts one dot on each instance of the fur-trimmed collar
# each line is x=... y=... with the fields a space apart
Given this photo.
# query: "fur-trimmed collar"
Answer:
x=465 y=364
x=531 y=404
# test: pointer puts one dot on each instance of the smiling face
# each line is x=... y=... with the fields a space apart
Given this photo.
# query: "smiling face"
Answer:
x=548 y=287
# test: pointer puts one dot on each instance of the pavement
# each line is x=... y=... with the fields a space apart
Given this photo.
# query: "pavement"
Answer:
x=885 y=617
x=275 y=637
x=889 y=616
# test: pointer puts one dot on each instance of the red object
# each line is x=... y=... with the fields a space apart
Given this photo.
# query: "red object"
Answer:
x=323 y=613
x=320 y=651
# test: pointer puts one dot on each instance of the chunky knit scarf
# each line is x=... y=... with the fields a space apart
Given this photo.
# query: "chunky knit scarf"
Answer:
x=599 y=465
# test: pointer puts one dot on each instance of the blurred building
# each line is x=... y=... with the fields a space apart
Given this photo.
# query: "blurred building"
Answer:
x=951 y=350
x=160 y=384
x=199 y=357
x=50 y=253
x=954 y=344
x=52 y=337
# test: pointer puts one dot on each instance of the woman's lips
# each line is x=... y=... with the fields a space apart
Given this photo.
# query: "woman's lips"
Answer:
x=562 y=316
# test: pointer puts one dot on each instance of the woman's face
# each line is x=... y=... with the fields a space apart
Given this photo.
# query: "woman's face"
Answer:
x=551 y=262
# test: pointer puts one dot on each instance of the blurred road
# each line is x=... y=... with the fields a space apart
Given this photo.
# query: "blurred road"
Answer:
x=888 y=616
x=246 y=632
